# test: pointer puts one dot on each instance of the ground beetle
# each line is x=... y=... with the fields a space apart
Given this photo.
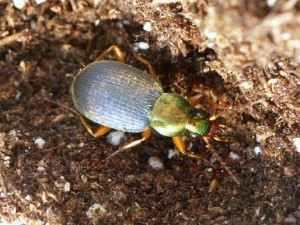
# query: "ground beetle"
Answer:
x=121 y=97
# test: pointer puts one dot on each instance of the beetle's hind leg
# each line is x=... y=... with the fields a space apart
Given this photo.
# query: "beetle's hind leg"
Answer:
x=145 y=136
x=98 y=133
x=151 y=70
x=117 y=51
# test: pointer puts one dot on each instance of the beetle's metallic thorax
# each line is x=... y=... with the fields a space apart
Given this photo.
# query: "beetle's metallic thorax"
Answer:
x=170 y=115
x=115 y=95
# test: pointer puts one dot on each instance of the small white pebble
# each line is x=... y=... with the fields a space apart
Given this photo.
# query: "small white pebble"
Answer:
x=119 y=40
x=19 y=4
x=39 y=1
x=210 y=35
x=97 y=22
x=147 y=26
x=2 y=195
x=135 y=47
x=63 y=185
x=245 y=85
x=171 y=153
x=271 y=3
x=297 y=144
x=84 y=179
x=211 y=45
x=67 y=187
x=115 y=137
x=81 y=144
x=28 y=198
x=213 y=159
x=258 y=140
x=12 y=133
x=280 y=63
x=16 y=83
x=285 y=36
x=272 y=81
x=155 y=162
x=209 y=170
x=197 y=22
x=126 y=21
x=119 y=25
x=257 y=150
x=18 y=95
x=40 y=142
x=96 y=209
x=40 y=168
x=257 y=211
x=143 y=45
x=234 y=155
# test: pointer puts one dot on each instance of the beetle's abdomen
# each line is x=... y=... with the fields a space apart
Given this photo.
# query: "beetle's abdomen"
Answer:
x=115 y=95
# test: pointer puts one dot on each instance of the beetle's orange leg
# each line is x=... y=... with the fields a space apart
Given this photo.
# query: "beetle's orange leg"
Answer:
x=195 y=100
x=99 y=132
x=181 y=147
x=117 y=52
x=151 y=70
x=145 y=136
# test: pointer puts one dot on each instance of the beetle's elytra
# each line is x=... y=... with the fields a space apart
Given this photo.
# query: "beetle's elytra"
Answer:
x=116 y=95
x=119 y=96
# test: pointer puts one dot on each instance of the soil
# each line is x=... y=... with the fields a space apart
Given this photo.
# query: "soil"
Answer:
x=243 y=56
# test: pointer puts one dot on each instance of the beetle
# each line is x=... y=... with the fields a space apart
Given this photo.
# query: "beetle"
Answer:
x=122 y=97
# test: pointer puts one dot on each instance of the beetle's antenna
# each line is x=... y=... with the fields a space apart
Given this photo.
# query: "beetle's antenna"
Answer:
x=60 y=105
x=236 y=180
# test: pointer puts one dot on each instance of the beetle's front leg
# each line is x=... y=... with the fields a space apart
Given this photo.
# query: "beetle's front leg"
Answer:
x=181 y=147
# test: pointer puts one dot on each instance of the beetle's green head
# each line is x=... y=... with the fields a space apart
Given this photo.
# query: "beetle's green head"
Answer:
x=204 y=127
